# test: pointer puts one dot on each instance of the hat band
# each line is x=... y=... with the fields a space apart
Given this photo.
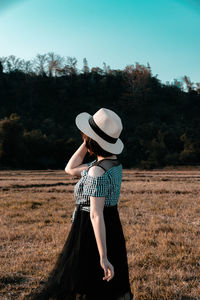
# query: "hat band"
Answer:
x=101 y=133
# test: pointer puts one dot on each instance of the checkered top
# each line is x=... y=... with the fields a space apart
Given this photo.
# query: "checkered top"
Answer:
x=108 y=185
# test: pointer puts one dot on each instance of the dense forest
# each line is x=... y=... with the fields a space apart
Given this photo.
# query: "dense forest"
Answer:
x=40 y=99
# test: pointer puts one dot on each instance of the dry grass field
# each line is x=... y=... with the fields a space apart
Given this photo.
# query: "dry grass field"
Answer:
x=160 y=215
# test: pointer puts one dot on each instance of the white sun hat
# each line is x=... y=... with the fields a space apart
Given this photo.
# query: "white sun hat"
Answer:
x=104 y=127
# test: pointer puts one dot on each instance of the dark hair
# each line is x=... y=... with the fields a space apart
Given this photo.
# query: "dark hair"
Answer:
x=94 y=147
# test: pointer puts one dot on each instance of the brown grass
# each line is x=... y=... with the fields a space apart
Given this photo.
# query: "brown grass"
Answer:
x=160 y=215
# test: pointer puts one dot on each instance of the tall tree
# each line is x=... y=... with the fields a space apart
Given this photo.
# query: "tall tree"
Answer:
x=189 y=83
x=40 y=63
x=106 y=69
x=85 y=69
x=1 y=68
x=12 y=63
x=11 y=136
x=198 y=87
x=55 y=63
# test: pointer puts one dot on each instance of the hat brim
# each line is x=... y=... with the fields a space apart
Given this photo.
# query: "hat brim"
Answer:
x=83 y=125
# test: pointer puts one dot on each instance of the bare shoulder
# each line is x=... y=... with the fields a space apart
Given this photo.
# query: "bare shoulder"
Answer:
x=95 y=171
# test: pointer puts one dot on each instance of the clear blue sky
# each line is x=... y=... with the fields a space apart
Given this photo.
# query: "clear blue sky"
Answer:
x=118 y=32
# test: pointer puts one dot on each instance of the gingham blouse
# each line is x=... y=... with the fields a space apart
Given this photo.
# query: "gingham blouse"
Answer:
x=107 y=185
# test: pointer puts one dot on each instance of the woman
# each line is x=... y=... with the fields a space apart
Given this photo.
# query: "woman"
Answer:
x=93 y=262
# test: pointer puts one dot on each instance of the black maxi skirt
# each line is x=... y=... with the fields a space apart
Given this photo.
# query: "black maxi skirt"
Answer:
x=77 y=273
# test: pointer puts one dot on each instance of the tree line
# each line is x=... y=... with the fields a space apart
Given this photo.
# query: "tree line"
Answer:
x=40 y=99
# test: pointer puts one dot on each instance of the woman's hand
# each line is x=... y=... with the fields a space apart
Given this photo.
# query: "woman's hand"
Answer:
x=76 y=160
x=108 y=269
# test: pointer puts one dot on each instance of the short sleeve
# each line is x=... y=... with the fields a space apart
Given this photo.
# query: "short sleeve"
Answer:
x=96 y=186
x=85 y=170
